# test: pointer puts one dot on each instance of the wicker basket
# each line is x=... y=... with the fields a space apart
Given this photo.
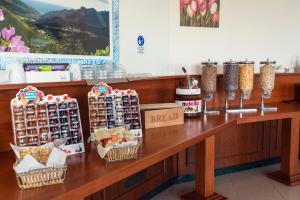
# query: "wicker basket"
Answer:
x=123 y=153
x=42 y=177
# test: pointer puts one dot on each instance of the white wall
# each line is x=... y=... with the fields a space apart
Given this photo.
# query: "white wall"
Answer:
x=253 y=29
x=151 y=19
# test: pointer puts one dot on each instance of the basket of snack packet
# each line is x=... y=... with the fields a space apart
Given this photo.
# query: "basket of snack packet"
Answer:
x=38 y=166
x=116 y=144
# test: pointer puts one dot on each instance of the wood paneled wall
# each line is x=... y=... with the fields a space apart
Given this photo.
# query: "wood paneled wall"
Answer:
x=156 y=90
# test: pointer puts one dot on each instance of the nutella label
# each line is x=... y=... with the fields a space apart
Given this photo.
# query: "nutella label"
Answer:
x=190 y=106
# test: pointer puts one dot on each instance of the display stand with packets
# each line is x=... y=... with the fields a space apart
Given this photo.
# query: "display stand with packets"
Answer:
x=39 y=119
x=110 y=108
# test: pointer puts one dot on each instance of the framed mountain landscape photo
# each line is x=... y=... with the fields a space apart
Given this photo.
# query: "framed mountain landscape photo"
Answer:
x=87 y=29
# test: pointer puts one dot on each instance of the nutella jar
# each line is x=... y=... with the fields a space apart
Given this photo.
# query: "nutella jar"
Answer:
x=190 y=100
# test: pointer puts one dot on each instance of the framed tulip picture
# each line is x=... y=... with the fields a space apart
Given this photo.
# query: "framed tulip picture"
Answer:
x=69 y=31
x=200 y=13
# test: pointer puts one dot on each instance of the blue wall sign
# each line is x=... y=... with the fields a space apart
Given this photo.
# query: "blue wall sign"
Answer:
x=141 y=41
x=141 y=44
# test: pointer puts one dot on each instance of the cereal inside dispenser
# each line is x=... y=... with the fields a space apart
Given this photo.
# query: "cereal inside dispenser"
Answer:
x=246 y=78
x=209 y=83
x=267 y=82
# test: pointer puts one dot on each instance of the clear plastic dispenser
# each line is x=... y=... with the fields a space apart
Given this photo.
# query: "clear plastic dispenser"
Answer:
x=231 y=81
x=245 y=84
x=209 y=84
x=267 y=83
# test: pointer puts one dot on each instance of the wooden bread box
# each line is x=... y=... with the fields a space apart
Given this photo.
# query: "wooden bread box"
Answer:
x=161 y=115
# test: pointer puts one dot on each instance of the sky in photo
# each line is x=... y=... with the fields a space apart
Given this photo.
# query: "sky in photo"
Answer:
x=99 y=5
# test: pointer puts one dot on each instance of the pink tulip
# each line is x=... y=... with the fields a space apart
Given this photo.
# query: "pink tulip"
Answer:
x=1 y=15
x=216 y=18
x=202 y=6
x=181 y=5
x=8 y=33
x=193 y=4
x=190 y=11
x=213 y=6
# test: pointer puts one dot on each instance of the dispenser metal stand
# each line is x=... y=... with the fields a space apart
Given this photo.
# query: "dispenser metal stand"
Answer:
x=264 y=108
x=241 y=109
x=209 y=112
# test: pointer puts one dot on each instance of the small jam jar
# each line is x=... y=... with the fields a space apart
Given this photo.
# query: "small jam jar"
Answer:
x=92 y=99
x=30 y=108
x=31 y=124
x=42 y=122
x=20 y=125
x=73 y=112
x=21 y=141
x=73 y=104
x=52 y=106
x=21 y=133
x=32 y=132
x=41 y=107
x=18 y=109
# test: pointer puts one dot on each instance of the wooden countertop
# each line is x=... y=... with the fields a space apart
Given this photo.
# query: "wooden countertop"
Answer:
x=87 y=173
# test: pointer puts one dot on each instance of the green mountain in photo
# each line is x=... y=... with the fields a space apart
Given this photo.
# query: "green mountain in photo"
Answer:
x=20 y=9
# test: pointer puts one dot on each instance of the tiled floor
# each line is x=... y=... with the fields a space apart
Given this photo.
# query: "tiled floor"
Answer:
x=245 y=185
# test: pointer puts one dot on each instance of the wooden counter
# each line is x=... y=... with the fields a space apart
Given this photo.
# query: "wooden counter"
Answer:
x=87 y=173
x=235 y=145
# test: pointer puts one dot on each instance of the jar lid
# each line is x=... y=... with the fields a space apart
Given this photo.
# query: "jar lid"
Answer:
x=231 y=62
x=247 y=62
x=209 y=63
x=268 y=62
x=183 y=91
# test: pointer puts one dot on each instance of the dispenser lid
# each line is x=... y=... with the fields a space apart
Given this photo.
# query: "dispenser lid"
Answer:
x=231 y=62
x=266 y=62
x=247 y=62
x=209 y=62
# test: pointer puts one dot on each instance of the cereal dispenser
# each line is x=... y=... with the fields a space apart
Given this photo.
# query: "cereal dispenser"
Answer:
x=267 y=82
x=231 y=81
x=209 y=83
x=246 y=83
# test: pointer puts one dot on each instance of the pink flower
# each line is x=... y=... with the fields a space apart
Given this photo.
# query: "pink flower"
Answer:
x=202 y=6
x=216 y=18
x=20 y=49
x=8 y=33
x=17 y=45
x=16 y=41
x=190 y=11
x=1 y=15
x=213 y=6
x=2 y=49
x=181 y=5
x=193 y=4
